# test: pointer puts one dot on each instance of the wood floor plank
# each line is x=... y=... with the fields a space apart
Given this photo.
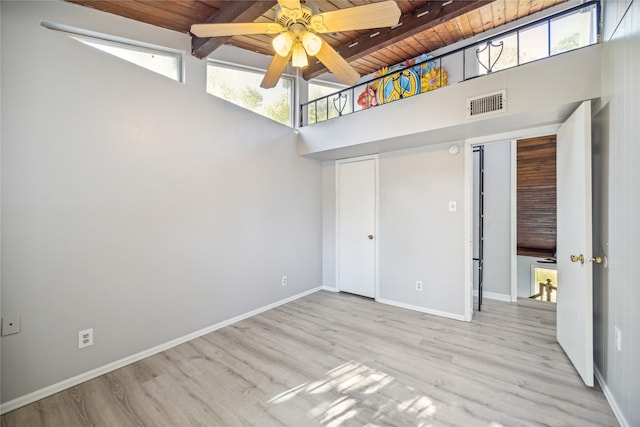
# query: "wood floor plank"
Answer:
x=339 y=360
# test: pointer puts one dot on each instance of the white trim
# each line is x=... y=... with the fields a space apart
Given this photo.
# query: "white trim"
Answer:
x=337 y=87
x=446 y=314
x=330 y=288
x=514 y=220
x=376 y=242
x=515 y=134
x=89 y=375
x=532 y=278
x=612 y=401
x=235 y=65
x=468 y=231
x=337 y=225
x=107 y=37
x=494 y=295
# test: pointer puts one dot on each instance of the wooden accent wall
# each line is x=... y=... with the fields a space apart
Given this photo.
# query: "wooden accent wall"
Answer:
x=536 y=196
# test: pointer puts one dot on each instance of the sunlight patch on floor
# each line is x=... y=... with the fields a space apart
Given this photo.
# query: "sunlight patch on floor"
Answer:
x=352 y=388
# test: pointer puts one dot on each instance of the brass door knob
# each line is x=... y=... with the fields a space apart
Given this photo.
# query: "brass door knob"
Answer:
x=595 y=259
x=576 y=258
x=370 y=236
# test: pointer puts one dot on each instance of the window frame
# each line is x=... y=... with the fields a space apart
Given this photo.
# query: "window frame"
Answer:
x=336 y=87
x=261 y=72
x=84 y=36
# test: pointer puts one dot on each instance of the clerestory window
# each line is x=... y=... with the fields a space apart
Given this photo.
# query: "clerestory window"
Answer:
x=165 y=61
x=241 y=86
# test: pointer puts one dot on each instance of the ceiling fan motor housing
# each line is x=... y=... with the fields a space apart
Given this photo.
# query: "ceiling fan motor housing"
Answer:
x=290 y=17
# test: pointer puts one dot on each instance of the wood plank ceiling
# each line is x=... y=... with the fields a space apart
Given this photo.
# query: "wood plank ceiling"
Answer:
x=426 y=25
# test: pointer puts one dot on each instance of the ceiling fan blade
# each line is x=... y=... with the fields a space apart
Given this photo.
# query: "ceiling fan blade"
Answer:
x=289 y=4
x=235 y=28
x=337 y=65
x=374 y=15
x=275 y=70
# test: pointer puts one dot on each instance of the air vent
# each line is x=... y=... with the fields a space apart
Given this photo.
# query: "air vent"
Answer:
x=487 y=104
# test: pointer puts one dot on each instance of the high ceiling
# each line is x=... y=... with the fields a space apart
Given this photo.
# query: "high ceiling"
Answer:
x=425 y=25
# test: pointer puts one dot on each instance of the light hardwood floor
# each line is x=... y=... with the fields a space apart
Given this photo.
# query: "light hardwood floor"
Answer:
x=341 y=360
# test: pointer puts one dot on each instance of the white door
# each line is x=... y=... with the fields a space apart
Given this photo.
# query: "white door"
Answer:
x=574 y=253
x=356 y=226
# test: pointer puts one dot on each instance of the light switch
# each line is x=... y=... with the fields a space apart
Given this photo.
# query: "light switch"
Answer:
x=452 y=206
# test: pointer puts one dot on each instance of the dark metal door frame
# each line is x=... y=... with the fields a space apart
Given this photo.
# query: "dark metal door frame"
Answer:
x=480 y=258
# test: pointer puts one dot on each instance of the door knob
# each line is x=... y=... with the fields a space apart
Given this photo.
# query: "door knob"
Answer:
x=370 y=236
x=595 y=259
x=576 y=258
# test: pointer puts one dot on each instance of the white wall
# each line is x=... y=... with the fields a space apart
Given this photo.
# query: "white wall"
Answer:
x=419 y=239
x=618 y=133
x=133 y=204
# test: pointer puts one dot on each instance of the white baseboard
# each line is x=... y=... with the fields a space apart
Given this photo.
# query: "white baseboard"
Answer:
x=422 y=309
x=494 y=295
x=612 y=401
x=89 y=375
x=330 y=289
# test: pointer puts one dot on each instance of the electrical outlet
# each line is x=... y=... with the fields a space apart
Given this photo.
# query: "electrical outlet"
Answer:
x=284 y=280
x=10 y=325
x=418 y=285
x=618 y=338
x=85 y=338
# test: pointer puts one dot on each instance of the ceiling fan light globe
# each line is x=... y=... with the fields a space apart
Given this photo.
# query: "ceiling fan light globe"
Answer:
x=282 y=44
x=311 y=43
x=299 y=58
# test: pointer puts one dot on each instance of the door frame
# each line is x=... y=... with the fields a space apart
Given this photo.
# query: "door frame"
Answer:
x=375 y=158
x=512 y=233
x=468 y=191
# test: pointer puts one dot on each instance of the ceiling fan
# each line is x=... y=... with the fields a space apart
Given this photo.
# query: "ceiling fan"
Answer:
x=297 y=29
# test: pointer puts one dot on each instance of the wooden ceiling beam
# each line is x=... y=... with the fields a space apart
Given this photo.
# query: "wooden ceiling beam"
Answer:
x=233 y=11
x=432 y=14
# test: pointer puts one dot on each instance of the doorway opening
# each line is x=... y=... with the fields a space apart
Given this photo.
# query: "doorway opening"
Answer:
x=536 y=222
x=513 y=224
x=493 y=241
x=572 y=249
